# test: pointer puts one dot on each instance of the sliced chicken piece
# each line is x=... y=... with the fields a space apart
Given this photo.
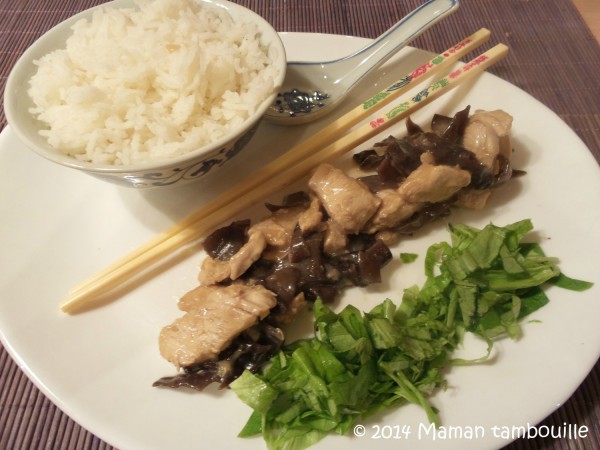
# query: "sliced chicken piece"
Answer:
x=394 y=209
x=335 y=238
x=346 y=200
x=248 y=254
x=215 y=315
x=429 y=183
x=483 y=141
x=278 y=228
x=311 y=218
x=213 y=271
x=499 y=120
x=487 y=134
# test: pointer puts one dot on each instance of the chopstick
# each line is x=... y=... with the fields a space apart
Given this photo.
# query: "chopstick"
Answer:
x=293 y=165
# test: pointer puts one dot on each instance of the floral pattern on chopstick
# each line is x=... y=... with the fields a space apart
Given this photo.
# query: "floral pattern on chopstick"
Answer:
x=418 y=72
x=423 y=94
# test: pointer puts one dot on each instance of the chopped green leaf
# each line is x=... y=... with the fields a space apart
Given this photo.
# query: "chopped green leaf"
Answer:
x=358 y=364
x=253 y=426
x=408 y=257
x=255 y=392
x=571 y=284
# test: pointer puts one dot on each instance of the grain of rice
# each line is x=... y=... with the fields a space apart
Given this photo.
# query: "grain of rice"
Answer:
x=150 y=83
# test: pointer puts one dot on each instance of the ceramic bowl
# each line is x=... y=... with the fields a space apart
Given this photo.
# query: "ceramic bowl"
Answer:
x=174 y=171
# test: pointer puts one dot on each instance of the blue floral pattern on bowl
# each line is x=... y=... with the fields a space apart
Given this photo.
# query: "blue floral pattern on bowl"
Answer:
x=178 y=174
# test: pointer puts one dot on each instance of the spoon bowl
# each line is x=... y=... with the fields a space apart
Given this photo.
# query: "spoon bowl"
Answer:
x=313 y=89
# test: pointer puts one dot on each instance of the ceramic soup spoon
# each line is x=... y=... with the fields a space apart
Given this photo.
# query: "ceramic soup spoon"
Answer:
x=313 y=89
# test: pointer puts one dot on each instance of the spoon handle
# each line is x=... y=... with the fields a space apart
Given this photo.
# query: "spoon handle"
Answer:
x=361 y=63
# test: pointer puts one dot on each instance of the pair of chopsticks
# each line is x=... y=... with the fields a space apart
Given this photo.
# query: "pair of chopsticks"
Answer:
x=327 y=144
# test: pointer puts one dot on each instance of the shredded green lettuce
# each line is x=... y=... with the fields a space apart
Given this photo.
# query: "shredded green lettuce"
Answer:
x=485 y=281
x=408 y=257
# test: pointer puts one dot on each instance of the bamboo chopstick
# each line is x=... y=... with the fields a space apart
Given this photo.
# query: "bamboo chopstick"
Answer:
x=290 y=167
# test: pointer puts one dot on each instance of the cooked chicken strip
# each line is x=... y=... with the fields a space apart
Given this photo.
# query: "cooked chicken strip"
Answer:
x=311 y=218
x=499 y=120
x=213 y=271
x=278 y=228
x=346 y=200
x=487 y=134
x=215 y=315
x=394 y=209
x=429 y=183
x=335 y=238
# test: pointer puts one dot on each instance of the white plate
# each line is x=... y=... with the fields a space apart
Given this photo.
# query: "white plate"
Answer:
x=58 y=227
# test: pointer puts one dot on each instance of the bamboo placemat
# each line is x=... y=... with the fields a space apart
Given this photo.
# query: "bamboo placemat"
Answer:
x=553 y=57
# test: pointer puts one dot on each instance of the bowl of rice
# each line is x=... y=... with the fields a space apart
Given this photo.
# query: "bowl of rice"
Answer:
x=146 y=93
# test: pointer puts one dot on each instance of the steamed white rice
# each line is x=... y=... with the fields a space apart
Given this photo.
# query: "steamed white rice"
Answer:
x=150 y=83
